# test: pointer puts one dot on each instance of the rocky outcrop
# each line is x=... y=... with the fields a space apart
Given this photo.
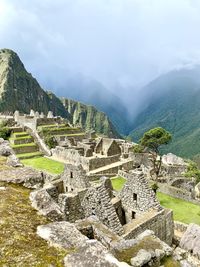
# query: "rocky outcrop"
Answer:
x=20 y=91
x=26 y=176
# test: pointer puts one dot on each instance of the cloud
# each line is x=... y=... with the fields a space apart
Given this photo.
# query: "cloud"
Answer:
x=121 y=43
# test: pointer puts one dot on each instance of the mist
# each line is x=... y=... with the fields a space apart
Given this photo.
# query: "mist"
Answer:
x=120 y=44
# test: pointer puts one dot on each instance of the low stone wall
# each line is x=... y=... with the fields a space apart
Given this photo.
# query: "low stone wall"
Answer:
x=95 y=163
x=75 y=156
x=177 y=192
x=161 y=223
x=179 y=226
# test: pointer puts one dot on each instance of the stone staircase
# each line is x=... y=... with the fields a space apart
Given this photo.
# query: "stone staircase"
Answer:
x=23 y=144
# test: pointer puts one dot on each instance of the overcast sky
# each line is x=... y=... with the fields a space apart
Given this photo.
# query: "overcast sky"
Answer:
x=117 y=42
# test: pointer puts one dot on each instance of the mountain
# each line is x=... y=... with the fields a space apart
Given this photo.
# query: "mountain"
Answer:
x=175 y=106
x=92 y=92
x=20 y=91
x=89 y=117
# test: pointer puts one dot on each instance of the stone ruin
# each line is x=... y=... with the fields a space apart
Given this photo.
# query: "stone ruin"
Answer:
x=127 y=214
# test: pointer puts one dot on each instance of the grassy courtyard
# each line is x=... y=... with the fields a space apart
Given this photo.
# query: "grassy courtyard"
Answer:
x=45 y=164
x=184 y=211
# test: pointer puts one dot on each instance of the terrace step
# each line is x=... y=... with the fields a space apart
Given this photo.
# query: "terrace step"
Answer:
x=16 y=129
x=25 y=148
x=30 y=155
x=20 y=134
x=21 y=140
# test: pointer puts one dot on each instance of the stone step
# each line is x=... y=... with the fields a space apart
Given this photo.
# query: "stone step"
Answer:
x=16 y=129
x=30 y=155
x=20 y=134
x=21 y=140
x=25 y=148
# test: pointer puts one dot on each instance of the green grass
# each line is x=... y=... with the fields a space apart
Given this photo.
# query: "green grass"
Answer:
x=184 y=211
x=45 y=164
x=118 y=182
x=21 y=138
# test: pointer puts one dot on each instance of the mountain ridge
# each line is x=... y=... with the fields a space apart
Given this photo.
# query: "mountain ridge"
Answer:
x=19 y=90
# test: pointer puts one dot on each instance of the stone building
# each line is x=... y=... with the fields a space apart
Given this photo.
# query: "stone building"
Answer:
x=126 y=214
x=107 y=147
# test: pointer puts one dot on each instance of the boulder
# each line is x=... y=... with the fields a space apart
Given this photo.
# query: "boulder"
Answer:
x=45 y=204
x=13 y=161
x=190 y=240
x=62 y=234
x=148 y=249
x=142 y=258
x=5 y=149
x=92 y=254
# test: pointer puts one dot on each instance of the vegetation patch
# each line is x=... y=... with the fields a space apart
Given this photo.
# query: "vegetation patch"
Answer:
x=170 y=262
x=147 y=243
x=45 y=164
x=19 y=243
x=118 y=183
x=184 y=211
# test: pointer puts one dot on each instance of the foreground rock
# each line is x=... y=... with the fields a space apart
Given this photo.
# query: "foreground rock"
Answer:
x=13 y=161
x=28 y=177
x=92 y=253
x=146 y=249
x=191 y=240
x=62 y=234
x=5 y=149
x=42 y=201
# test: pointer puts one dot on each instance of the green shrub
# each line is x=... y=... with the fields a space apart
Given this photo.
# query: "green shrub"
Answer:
x=50 y=141
x=5 y=132
x=193 y=171
x=138 y=149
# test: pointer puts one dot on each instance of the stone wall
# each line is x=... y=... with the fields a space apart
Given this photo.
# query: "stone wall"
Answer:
x=71 y=206
x=136 y=195
x=74 y=178
x=175 y=192
x=76 y=157
x=161 y=223
x=97 y=201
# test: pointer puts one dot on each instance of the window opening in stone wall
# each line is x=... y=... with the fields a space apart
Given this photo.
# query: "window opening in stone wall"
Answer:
x=71 y=175
x=135 y=197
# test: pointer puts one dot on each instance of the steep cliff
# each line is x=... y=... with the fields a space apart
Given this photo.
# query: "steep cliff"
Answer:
x=89 y=117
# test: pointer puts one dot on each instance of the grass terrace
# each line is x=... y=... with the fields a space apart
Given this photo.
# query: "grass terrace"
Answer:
x=45 y=164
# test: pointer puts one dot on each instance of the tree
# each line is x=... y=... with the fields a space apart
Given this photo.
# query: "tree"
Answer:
x=153 y=140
